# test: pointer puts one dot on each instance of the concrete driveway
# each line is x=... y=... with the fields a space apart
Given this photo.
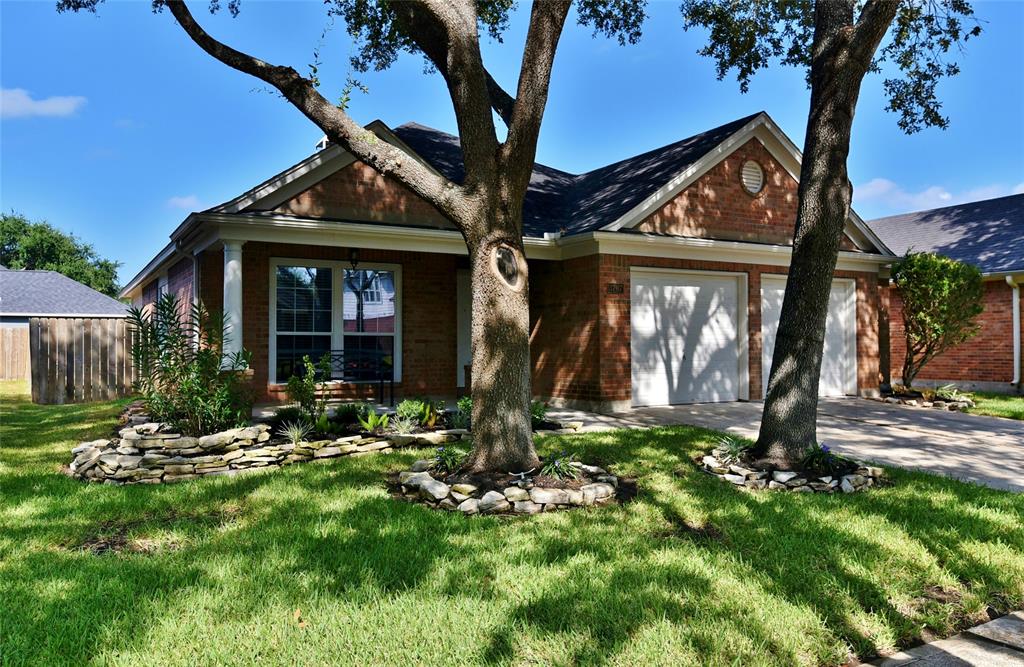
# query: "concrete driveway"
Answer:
x=987 y=450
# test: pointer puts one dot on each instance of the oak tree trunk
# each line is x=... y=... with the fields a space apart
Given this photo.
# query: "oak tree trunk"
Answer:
x=500 y=383
x=840 y=58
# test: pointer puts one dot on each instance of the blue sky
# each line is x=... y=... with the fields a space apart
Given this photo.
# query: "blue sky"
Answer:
x=115 y=126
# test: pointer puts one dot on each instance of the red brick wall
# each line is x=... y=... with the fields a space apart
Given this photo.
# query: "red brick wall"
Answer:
x=428 y=303
x=358 y=192
x=987 y=357
x=615 y=320
x=717 y=206
x=564 y=340
x=179 y=283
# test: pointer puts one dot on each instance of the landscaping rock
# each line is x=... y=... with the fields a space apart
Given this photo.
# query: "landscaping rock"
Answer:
x=422 y=465
x=735 y=479
x=467 y=489
x=545 y=496
x=492 y=501
x=514 y=493
x=469 y=506
x=526 y=507
x=432 y=488
x=782 y=476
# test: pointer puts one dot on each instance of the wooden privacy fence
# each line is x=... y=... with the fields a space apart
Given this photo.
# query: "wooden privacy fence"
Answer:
x=75 y=360
x=14 y=352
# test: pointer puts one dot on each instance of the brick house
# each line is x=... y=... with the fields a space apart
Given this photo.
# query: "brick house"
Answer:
x=654 y=280
x=990 y=235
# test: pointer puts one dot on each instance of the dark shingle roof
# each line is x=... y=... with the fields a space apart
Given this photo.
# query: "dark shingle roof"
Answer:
x=988 y=234
x=51 y=293
x=577 y=203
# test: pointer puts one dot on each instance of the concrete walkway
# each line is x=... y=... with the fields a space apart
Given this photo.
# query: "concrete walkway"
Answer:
x=987 y=450
x=998 y=643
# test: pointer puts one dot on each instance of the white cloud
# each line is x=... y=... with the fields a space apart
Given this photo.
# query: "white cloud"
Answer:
x=888 y=197
x=18 y=103
x=188 y=202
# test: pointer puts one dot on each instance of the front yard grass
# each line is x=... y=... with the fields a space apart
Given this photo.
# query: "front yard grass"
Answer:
x=316 y=564
x=997 y=405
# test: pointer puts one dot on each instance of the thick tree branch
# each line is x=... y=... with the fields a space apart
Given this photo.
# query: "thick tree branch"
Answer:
x=446 y=32
x=501 y=101
x=872 y=24
x=546 y=22
x=335 y=123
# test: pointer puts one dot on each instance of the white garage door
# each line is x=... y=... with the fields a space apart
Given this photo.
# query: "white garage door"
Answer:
x=685 y=337
x=839 y=361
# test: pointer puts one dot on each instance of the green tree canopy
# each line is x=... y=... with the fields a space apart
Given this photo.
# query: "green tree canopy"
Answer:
x=39 y=245
x=941 y=304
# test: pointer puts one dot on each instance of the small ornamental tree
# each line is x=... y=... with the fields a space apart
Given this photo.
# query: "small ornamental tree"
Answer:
x=941 y=303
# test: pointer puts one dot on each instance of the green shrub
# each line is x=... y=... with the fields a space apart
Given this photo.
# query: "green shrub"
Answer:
x=304 y=388
x=350 y=413
x=421 y=410
x=463 y=415
x=449 y=459
x=561 y=467
x=374 y=423
x=941 y=303
x=731 y=449
x=403 y=425
x=819 y=458
x=184 y=376
x=283 y=415
x=950 y=392
x=538 y=413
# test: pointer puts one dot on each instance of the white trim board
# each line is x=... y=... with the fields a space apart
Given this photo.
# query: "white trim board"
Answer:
x=337 y=304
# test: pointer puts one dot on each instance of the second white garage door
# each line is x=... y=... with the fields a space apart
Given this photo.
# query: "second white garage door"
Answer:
x=686 y=337
x=839 y=361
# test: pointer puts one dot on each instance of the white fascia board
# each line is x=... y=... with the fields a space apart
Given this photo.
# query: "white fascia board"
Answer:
x=282 y=229
x=1002 y=275
x=152 y=267
x=278 y=189
x=708 y=250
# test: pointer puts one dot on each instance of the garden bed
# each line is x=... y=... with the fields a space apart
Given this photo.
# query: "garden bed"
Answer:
x=146 y=452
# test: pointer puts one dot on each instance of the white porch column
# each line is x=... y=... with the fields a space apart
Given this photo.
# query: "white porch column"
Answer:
x=233 y=296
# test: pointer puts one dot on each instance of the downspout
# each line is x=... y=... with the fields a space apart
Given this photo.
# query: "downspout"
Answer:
x=1015 y=286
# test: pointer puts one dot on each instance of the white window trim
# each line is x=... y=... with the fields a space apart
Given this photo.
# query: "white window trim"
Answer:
x=338 y=269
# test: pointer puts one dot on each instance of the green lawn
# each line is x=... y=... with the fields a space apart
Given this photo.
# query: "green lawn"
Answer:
x=998 y=405
x=694 y=571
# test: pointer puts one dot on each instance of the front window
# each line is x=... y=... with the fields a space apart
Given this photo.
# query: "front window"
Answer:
x=304 y=296
x=324 y=307
x=368 y=315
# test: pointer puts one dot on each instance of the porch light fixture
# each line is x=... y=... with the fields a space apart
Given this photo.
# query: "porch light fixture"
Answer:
x=353 y=258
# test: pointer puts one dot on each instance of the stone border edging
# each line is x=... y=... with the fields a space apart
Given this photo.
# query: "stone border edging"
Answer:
x=418 y=485
x=952 y=406
x=787 y=480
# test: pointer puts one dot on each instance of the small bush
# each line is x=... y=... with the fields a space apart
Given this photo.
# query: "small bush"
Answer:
x=374 y=423
x=185 y=377
x=560 y=467
x=463 y=415
x=284 y=414
x=421 y=410
x=350 y=413
x=538 y=413
x=731 y=449
x=950 y=392
x=449 y=459
x=819 y=458
x=303 y=388
x=403 y=425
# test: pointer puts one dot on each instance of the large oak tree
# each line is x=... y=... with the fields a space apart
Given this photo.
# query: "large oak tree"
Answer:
x=838 y=42
x=487 y=206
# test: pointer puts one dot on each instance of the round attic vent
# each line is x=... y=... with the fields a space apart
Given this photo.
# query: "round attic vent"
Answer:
x=752 y=176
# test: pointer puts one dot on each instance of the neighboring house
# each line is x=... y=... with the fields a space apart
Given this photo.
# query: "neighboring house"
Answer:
x=25 y=294
x=990 y=235
x=654 y=280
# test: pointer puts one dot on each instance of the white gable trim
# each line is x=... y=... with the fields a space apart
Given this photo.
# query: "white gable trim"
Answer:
x=280 y=188
x=775 y=141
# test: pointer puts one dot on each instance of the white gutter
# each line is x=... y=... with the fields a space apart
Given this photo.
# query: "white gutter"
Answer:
x=1015 y=287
